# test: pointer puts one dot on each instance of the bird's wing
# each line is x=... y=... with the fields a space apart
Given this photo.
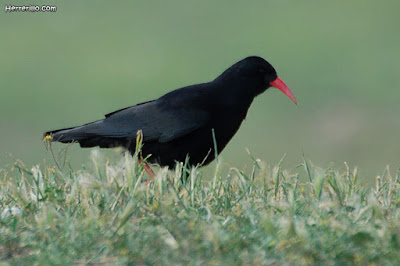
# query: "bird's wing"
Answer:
x=117 y=111
x=158 y=122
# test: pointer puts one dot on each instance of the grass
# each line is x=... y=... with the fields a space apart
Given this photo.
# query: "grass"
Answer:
x=105 y=214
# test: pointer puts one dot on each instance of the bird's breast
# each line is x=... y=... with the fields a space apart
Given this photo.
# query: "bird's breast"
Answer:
x=226 y=123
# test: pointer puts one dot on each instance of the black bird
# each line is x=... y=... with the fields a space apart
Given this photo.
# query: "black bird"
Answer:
x=180 y=123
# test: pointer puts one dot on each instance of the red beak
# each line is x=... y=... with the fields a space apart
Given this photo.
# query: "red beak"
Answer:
x=280 y=85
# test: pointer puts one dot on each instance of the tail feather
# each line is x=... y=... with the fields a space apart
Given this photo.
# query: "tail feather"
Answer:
x=67 y=135
x=85 y=136
x=63 y=135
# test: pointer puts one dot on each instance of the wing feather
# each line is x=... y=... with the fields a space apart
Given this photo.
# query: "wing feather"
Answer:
x=157 y=122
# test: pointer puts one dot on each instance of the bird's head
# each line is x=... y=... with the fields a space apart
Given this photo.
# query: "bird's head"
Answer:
x=259 y=74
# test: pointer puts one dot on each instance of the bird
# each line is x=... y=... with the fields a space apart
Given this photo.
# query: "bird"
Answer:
x=190 y=124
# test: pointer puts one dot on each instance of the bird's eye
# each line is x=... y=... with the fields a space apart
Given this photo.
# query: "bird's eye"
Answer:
x=261 y=70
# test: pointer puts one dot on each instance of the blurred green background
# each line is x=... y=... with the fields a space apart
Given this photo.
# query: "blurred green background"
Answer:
x=340 y=58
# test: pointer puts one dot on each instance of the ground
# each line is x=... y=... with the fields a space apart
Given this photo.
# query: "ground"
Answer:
x=105 y=214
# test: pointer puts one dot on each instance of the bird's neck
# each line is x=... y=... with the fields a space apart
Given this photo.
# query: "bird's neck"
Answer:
x=235 y=93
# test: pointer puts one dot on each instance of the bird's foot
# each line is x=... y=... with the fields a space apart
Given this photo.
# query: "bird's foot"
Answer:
x=148 y=170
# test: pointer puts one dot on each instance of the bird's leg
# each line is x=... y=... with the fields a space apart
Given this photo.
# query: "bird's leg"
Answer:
x=147 y=169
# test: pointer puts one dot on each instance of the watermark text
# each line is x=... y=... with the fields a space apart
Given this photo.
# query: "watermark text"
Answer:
x=30 y=8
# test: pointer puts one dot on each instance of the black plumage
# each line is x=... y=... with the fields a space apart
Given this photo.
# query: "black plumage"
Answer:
x=180 y=123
